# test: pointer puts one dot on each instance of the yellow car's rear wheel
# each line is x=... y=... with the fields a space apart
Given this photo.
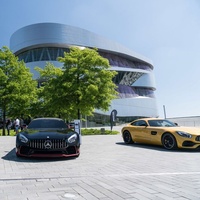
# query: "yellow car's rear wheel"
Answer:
x=169 y=141
x=127 y=137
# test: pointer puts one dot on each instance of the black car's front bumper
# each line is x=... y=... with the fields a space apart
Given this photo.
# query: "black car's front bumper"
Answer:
x=47 y=148
x=70 y=151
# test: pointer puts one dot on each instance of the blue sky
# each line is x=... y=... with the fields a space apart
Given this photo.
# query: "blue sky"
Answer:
x=165 y=31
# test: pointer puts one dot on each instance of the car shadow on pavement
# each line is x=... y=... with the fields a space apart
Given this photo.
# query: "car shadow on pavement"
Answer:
x=11 y=156
x=158 y=148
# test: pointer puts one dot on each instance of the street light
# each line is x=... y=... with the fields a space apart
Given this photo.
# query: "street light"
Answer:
x=164 y=111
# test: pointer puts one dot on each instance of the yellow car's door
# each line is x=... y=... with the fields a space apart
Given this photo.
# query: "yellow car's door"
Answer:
x=140 y=132
x=155 y=134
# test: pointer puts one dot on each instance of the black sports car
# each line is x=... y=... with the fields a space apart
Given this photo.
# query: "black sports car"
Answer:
x=48 y=137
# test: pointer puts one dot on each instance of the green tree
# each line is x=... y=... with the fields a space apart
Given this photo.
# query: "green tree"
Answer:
x=48 y=103
x=17 y=88
x=83 y=84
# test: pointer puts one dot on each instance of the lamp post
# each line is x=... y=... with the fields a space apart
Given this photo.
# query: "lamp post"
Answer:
x=164 y=111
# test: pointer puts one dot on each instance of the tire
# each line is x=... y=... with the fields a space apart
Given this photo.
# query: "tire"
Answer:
x=127 y=137
x=169 y=141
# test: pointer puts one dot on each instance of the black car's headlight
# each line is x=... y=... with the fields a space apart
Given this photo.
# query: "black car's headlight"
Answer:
x=184 y=134
x=72 y=138
x=22 y=138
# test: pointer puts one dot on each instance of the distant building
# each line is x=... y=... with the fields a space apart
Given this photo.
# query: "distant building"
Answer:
x=38 y=43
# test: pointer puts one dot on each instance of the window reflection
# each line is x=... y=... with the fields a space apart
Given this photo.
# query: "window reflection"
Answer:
x=126 y=91
x=119 y=61
x=52 y=53
x=123 y=79
x=42 y=54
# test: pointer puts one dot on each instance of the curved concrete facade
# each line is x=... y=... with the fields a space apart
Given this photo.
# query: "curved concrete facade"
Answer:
x=38 y=43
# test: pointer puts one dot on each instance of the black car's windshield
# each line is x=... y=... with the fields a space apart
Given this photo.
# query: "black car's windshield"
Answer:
x=47 y=123
x=161 y=123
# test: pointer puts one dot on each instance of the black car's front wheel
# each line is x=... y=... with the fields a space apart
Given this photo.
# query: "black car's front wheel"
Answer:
x=169 y=141
x=127 y=137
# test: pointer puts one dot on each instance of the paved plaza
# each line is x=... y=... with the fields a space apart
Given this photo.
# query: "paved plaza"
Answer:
x=106 y=169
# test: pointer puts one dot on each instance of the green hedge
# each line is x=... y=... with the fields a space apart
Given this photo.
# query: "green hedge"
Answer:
x=98 y=132
x=84 y=131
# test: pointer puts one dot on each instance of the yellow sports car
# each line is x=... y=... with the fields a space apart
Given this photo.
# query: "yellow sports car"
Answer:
x=161 y=132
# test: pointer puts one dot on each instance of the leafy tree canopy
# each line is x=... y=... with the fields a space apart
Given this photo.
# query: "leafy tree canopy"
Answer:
x=17 y=88
x=83 y=84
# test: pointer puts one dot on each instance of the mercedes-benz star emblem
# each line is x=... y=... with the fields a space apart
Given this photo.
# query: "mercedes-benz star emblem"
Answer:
x=47 y=144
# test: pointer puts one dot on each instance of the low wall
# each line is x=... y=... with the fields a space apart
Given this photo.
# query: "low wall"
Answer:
x=186 y=121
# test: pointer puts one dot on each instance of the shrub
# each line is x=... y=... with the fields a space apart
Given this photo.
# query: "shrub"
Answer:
x=91 y=131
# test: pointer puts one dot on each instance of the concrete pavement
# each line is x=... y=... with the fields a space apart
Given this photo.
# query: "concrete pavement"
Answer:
x=107 y=169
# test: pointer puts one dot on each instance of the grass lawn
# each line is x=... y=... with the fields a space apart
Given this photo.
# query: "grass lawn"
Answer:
x=12 y=132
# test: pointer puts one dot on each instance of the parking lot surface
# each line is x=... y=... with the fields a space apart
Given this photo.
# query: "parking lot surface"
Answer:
x=106 y=169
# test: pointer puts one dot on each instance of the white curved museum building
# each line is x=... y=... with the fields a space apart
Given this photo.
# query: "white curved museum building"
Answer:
x=39 y=43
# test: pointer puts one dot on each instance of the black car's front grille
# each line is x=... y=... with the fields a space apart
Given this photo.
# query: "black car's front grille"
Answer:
x=47 y=144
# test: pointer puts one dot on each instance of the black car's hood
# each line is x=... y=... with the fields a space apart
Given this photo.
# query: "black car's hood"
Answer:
x=48 y=133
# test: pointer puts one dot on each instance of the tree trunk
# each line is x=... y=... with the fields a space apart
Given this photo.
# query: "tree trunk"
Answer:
x=79 y=114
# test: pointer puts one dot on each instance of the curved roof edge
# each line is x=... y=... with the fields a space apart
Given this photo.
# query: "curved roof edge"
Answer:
x=61 y=34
